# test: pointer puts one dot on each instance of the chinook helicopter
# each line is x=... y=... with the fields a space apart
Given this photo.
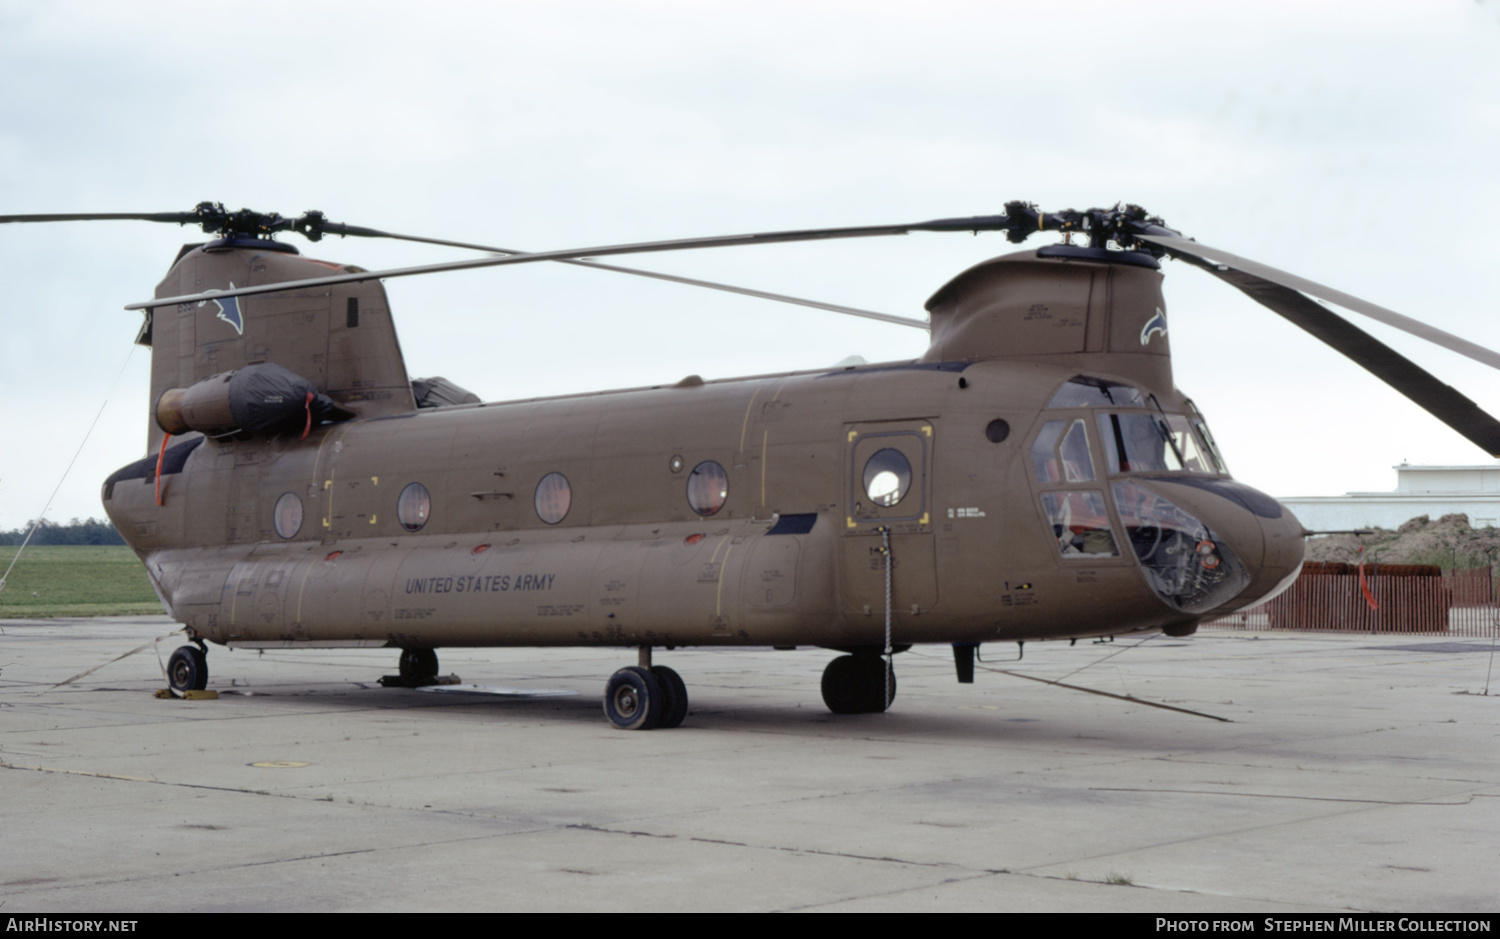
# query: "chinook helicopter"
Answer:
x=1035 y=474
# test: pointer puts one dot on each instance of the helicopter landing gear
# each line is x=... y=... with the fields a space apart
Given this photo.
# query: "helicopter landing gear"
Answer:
x=645 y=696
x=187 y=670
x=634 y=700
x=418 y=663
x=856 y=684
x=675 y=692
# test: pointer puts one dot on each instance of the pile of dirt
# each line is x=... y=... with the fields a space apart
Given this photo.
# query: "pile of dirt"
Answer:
x=1448 y=542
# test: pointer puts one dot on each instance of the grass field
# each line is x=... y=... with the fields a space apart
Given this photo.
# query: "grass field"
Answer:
x=82 y=580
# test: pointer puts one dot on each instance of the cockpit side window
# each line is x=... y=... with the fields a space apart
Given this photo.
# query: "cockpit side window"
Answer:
x=1060 y=456
x=1080 y=524
x=1043 y=460
x=1077 y=464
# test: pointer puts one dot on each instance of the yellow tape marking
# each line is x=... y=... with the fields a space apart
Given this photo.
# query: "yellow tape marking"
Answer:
x=765 y=438
x=745 y=424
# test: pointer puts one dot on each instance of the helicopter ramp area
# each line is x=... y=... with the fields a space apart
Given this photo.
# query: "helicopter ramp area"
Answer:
x=1355 y=773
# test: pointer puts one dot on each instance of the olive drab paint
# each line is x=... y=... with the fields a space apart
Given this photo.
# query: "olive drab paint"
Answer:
x=974 y=555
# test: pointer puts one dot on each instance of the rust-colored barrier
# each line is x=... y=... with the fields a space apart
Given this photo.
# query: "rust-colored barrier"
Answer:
x=1412 y=598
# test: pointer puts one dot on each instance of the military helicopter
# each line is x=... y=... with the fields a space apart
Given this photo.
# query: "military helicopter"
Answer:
x=1035 y=474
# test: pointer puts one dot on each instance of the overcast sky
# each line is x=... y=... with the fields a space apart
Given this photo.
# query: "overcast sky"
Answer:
x=1353 y=143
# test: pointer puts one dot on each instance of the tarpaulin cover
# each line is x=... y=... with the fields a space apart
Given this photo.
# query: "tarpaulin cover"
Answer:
x=267 y=398
x=439 y=392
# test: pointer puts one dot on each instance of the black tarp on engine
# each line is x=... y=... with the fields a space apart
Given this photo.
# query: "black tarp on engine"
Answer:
x=439 y=392
x=268 y=399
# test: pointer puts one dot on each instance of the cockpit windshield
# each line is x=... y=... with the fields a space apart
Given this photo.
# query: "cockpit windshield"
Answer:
x=1156 y=443
x=1197 y=456
x=1139 y=435
x=1201 y=426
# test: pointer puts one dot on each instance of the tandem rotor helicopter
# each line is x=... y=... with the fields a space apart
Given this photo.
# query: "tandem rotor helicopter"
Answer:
x=1035 y=474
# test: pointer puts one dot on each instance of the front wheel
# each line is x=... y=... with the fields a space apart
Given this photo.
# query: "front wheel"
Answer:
x=633 y=699
x=859 y=684
x=675 y=690
x=187 y=670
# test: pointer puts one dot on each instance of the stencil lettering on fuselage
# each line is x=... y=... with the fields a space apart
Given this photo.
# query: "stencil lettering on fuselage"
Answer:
x=492 y=583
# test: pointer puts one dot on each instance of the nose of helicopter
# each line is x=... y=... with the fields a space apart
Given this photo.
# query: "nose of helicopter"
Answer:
x=1247 y=547
x=1284 y=542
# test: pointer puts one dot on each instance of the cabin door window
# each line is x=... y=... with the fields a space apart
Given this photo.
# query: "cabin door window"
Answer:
x=887 y=481
x=888 y=488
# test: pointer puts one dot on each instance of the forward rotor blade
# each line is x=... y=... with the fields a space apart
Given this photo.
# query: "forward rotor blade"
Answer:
x=657 y=275
x=1420 y=386
x=978 y=223
x=762 y=294
x=1378 y=313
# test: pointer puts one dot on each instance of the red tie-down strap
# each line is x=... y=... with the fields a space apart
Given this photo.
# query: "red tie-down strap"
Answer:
x=1364 y=585
x=307 y=428
x=161 y=455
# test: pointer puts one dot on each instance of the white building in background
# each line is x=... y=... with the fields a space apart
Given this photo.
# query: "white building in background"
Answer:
x=1433 y=491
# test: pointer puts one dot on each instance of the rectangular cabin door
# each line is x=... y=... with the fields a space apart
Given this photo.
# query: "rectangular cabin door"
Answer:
x=888 y=484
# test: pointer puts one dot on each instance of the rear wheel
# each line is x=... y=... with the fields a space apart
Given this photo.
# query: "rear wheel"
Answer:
x=187 y=670
x=418 y=663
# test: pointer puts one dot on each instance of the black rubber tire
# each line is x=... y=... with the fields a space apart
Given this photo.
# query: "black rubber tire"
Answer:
x=633 y=699
x=875 y=669
x=855 y=684
x=674 y=689
x=187 y=670
x=841 y=686
x=418 y=663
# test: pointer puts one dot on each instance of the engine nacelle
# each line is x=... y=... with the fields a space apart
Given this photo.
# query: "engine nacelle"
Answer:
x=251 y=401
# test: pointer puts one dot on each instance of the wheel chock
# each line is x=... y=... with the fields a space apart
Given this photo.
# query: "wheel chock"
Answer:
x=423 y=681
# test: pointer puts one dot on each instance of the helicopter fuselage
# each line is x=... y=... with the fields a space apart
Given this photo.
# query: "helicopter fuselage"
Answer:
x=748 y=511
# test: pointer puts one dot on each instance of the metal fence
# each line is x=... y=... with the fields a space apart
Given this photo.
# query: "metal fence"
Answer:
x=1326 y=598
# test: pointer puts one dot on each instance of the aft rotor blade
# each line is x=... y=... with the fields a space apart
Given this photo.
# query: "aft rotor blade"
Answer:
x=978 y=223
x=657 y=275
x=1422 y=387
x=1378 y=313
x=181 y=218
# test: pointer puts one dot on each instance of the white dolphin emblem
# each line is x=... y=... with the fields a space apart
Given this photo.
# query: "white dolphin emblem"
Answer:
x=1156 y=324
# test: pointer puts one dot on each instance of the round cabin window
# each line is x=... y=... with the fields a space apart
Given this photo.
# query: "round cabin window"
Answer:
x=887 y=477
x=413 y=506
x=707 y=487
x=553 y=498
x=288 y=515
